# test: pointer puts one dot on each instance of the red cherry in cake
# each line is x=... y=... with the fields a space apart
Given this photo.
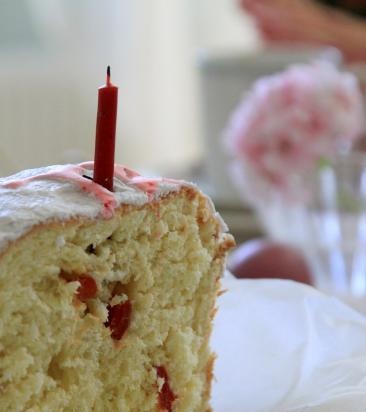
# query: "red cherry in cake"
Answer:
x=88 y=288
x=119 y=317
x=166 y=395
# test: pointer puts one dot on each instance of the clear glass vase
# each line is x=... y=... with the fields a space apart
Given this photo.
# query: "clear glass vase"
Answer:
x=328 y=223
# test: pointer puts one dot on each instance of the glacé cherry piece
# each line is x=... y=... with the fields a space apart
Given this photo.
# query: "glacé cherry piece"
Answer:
x=119 y=317
x=166 y=395
x=88 y=288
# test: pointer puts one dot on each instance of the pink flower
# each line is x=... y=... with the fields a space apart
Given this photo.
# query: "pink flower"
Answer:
x=289 y=121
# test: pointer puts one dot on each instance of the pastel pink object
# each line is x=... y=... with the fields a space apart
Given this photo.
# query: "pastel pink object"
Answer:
x=289 y=121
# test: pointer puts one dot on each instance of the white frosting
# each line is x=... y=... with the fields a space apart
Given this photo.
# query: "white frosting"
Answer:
x=41 y=200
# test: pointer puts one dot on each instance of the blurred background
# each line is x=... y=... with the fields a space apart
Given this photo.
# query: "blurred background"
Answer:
x=54 y=56
x=181 y=67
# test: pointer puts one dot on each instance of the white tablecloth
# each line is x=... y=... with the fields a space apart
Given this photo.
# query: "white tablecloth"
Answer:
x=283 y=347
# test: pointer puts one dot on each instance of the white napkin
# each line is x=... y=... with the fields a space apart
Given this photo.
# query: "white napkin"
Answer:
x=285 y=347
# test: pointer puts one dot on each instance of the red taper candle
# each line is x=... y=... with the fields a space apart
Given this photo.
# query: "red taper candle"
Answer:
x=105 y=137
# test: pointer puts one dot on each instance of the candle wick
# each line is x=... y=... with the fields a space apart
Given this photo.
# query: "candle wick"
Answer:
x=108 y=75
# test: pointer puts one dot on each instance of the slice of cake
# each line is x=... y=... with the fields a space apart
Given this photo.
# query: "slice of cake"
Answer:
x=106 y=299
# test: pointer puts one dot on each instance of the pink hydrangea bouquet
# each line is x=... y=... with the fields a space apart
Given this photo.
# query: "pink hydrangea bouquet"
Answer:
x=290 y=122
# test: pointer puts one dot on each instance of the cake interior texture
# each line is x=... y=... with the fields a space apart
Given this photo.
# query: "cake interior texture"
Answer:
x=112 y=314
